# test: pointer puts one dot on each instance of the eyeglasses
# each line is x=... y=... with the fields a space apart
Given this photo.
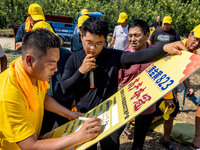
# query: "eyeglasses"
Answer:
x=97 y=46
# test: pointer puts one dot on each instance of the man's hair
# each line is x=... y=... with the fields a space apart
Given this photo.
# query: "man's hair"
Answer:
x=37 y=42
x=96 y=26
x=140 y=23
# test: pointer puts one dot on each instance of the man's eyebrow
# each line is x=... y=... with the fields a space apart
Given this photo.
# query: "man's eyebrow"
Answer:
x=96 y=42
x=52 y=61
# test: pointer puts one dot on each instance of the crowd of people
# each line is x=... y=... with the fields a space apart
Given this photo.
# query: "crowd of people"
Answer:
x=41 y=87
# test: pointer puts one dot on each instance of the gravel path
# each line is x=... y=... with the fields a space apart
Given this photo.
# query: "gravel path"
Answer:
x=7 y=42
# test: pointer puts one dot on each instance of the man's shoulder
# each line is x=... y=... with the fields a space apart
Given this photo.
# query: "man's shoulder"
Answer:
x=117 y=27
x=173 y=31
x=22 y=26
x=76 y=35
x=9 y=86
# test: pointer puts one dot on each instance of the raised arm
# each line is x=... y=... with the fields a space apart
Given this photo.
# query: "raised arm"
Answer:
x=73 y=75
x=151 y=54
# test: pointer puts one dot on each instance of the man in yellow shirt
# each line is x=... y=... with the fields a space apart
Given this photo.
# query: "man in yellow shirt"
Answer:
x=192 y=43
x=23 y=97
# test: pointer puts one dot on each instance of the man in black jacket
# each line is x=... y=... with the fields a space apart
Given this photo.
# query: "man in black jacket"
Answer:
x=105 y=64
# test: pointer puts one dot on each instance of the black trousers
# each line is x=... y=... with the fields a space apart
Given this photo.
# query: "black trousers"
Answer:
x=142 y=124
x=111 y=142
x=49 y=120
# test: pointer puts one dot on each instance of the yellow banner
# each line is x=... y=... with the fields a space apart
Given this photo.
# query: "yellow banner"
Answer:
x=148 y=87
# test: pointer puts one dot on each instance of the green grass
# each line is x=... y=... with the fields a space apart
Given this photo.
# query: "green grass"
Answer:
x=11 y=54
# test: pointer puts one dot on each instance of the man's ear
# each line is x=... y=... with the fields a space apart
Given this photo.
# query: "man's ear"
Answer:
x=147 y=35
x=29 y=59
x=189 y=34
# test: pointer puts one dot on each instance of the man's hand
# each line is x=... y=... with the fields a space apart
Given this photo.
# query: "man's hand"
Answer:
x=168 y=102
x=74 y=115
x=18 y=45
x=89 y=130
x=189 y=91
x=174 y=48
x=88 y=64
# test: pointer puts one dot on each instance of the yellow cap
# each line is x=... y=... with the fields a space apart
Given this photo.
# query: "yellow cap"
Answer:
x=43 y=25
x=166 y=110
x=167 y=19
x=122 y=17
x=36 y=12
x=169 y=95
x=196 y=31
x=81 y=20
x=84 y=12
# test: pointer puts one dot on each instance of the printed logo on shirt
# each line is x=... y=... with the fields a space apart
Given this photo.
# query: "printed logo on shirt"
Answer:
x=164 y=38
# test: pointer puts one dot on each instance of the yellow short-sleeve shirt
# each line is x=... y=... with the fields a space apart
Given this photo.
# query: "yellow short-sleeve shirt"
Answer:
x=17 y=121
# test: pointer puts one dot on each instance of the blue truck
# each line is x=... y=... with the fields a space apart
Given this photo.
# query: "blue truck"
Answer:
x=63 y=25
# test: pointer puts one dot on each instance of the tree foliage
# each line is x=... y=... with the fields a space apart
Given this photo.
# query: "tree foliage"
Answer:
x=185 y=13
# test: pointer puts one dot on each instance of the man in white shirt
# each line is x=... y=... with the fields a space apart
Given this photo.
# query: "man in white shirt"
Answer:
x=120 y=35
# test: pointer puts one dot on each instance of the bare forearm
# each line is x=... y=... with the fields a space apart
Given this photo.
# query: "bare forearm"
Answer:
x=186 y=83
x=88 y=131
x=53 y=106
x=48 y=144
x=197 y=121
x=59 y=143
x=112 y=42
x=197 y=129
x=196 y=141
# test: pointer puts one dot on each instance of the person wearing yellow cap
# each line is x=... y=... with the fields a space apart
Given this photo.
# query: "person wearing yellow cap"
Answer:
x=76 y=43
x=120 y=35
x=24 y=97
x=84 y=12
x=192 y=43
x=35 y=14
x=165 y=34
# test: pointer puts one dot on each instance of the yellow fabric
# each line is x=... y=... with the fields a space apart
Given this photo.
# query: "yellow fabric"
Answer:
x=43 y=25
x=17 y=120
x=196 y=31
x=167 y=19
x=166 y=110
x=28 y=24
x=36 y=12
x=169 y=95
x=185 y=41
x=26 y=85
x=84 y=12
x=81 y=20
x=122 y=17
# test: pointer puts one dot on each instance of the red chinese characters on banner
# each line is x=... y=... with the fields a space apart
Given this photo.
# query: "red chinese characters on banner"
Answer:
x=140 y=102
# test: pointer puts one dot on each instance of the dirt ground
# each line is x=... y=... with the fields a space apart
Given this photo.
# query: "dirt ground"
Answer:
x=152 y=139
